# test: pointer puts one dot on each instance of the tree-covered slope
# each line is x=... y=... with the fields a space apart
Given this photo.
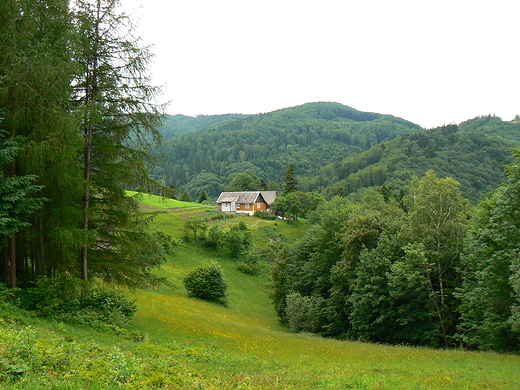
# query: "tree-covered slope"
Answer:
x=177 y=125
x=310 y=136
x=474 y=153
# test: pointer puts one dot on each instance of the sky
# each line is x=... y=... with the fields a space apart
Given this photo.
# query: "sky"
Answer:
x=429 y=62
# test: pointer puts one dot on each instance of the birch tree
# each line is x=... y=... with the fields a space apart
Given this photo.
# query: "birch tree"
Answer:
x=438 y=219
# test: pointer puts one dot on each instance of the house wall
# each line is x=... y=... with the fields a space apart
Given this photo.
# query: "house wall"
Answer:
x=250 y=208
x=246 y=208
x=227 y=207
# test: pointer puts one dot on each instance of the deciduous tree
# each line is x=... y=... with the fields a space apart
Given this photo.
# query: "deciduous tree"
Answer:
x=438 y=219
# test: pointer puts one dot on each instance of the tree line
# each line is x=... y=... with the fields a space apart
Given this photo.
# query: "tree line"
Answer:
x=76 y=116
x=425 y=269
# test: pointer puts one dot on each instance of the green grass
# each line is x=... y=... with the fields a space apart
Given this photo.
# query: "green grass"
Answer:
x=164 y=203
x=191 y=344
x=266 y=355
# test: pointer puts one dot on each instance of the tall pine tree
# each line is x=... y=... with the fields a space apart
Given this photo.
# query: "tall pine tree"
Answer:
x=119 y=119
x=290 y=182
x=35 y=62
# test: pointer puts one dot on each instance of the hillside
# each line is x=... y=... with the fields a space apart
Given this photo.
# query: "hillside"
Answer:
x=180 y=342
x=311 y=136
x=474 y=153
x=177 y=125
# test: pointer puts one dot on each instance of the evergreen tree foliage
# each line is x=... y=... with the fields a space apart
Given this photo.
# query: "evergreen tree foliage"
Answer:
x=16 y=203
x=112 y=93
x=290 y=182
x=203 y=196
x=76 y=98
x=36 y=68
x=185 y=197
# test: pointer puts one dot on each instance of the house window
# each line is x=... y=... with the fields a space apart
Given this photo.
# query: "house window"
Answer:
x=238 y=205
x=247 y=205
x=258 y=205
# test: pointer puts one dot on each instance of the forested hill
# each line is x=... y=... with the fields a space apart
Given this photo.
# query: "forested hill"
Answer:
x=311 y=136
x=474 y=153
x=177 y=125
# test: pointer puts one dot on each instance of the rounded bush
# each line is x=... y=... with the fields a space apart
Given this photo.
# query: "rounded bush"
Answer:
x=207 y=283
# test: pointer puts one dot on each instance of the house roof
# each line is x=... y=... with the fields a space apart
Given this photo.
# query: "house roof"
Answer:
x=247 y=197
x=269 y=196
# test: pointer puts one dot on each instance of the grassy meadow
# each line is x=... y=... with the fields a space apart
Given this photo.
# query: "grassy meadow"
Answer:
x=177 y=342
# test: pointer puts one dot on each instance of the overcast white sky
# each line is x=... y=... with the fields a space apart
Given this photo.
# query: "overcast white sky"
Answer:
x=430 y=62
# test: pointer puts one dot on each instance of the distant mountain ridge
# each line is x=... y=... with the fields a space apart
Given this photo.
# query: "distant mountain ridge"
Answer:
x=310 y=136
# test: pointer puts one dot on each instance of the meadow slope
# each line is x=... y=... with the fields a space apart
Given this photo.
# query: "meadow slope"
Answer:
x=177 y=342
x=263 y=354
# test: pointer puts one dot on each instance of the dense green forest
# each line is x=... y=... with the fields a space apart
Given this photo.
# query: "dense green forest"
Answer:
x=335 y=150
x=76 y=116
x=474 y=153
x=310 y=136
x=177 y=125
x=422 y=270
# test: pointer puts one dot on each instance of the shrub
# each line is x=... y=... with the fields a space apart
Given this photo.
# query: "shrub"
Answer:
x=264 y=215
x=207 y=283
x=63 y=300
x=303 y=312
x=249 y=268
x=108 y=306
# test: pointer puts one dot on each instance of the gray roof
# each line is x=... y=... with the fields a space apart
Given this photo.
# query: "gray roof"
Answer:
x=247 y=197
x=269 y=196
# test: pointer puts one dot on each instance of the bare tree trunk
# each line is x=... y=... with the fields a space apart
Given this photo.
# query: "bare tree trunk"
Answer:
x=86 y=204
x=90 y=100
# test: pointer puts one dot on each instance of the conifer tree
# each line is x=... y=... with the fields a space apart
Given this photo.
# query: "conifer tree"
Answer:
x=36 y=67
x=113 y=95
x=290 y=182
x=16 y=202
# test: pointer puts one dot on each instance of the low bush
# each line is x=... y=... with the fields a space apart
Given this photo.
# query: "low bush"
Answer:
x=249 y=268
x=207 y=283
x=265 y=215
x=63 y=300
x=303 y=313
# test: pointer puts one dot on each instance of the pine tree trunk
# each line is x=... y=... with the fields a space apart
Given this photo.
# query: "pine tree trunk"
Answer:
x=12 y=261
